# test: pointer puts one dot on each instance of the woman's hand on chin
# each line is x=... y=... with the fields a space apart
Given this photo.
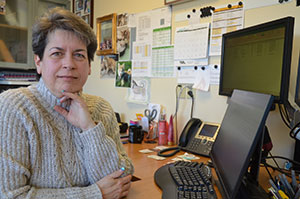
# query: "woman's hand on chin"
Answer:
x=78 y=114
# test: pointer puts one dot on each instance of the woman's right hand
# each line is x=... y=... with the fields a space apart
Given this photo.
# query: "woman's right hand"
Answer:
x=113 y=186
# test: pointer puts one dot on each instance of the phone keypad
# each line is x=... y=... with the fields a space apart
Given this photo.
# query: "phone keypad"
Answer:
x=199 y=146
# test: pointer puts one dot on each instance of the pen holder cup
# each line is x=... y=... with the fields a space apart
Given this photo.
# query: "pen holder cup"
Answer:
x=136 y=134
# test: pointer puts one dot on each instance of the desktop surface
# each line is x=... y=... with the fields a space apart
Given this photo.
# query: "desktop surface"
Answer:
x=145 y=169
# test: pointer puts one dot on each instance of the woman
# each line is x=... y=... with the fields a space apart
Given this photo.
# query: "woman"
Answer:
x=55 y=141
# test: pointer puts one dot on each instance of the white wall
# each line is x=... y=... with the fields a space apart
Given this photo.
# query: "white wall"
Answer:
x=209 y=106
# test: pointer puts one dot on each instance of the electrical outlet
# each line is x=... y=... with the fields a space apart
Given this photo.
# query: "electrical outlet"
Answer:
x=183 y=92
x=190 y=89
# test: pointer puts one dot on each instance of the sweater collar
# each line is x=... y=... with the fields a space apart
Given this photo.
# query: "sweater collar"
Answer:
x=48 y=97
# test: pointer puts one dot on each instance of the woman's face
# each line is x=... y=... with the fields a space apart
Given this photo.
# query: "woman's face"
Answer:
x=65 y=64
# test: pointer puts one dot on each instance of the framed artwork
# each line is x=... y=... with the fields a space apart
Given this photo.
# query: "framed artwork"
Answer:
x=107 y=34
x=84 y=9
x=2 y=7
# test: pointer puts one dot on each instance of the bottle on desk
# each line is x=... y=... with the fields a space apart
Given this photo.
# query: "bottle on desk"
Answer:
x=162 y=130
x=171 y=132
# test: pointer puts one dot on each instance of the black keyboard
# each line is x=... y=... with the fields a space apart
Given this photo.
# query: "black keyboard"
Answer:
x=183 y=180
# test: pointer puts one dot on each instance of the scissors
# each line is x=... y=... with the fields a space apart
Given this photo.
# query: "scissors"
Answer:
x=151 y=115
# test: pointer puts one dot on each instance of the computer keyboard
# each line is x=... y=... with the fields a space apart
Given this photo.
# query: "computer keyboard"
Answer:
x=184 y=180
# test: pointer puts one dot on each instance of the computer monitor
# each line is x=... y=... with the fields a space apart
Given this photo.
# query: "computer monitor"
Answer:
x=258 y=59
x=239 y=140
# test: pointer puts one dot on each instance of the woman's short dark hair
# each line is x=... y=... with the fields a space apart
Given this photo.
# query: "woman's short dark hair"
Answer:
x=59 y=18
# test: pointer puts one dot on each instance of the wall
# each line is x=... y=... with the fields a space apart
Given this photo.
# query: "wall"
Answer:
x=209 y=106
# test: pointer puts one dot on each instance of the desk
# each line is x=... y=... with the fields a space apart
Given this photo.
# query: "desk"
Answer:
x=145 y=168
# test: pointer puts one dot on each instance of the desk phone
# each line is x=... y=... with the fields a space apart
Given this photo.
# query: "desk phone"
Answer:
x=197 y=137
x=202 y=142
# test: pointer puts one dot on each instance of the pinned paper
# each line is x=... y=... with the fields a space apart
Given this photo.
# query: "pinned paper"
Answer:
x=214 y=74
x=186 y=74
x=191 y=42
x=202 y=79
x=194 y=16
x=225 y=19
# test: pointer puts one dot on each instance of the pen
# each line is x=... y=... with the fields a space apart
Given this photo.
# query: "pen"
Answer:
x=297 y=195
x=283 y=187
x=294 y=180
x=275 y=196
x=276 y=191
x=277 y=183
x=290 y=190
x=283 y=195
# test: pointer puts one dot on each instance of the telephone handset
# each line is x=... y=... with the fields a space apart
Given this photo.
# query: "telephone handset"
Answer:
x=189 y=131
x=197 y=137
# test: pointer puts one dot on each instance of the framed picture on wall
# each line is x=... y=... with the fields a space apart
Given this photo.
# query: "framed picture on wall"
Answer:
x=170 y=2
x=2 y=7
x=107 y=34
x=84 y=9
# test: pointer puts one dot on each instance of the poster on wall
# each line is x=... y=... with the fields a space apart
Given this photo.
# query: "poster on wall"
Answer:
x=123 y=74
x=123 y=43
x=140 y=91
x=108 y=66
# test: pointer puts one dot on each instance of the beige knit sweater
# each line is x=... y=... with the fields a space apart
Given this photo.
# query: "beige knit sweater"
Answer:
x=42 y=155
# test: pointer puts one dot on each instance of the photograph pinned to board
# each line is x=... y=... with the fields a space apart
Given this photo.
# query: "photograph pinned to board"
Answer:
x=108 y=66
x=122 y=19
x=140 y=91
x=123 y=43
x=84 y=9
x=123 y=74
x=2 y=7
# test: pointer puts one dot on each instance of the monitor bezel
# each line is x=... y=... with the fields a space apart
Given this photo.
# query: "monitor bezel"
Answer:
x=288 y=23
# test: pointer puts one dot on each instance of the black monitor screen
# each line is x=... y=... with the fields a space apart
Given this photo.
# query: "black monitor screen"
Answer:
x=239 y=135
x=258 y=59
